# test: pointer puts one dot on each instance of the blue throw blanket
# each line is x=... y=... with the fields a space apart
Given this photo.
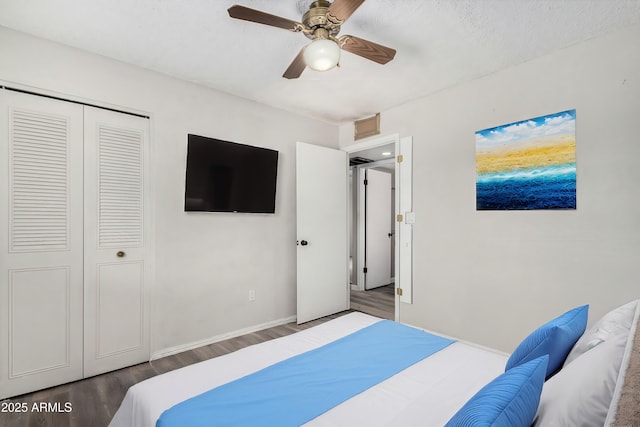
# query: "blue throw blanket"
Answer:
x=296 y=390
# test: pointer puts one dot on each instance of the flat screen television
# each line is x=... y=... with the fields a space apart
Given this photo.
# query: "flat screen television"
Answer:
x=225 y=176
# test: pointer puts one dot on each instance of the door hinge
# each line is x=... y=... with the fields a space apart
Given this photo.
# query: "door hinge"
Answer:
x=399 y=291
x=400 y=158
x=399 y=218
x=364 y=270
x=366 y=182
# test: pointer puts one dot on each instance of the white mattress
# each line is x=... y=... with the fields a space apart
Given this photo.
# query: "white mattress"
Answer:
x=427 y=393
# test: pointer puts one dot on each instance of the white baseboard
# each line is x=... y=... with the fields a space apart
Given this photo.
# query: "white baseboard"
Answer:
x=201 y=343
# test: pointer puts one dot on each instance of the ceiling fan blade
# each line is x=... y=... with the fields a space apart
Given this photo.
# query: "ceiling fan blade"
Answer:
x=341 y=10
x=296 y=67
x=369 y=50
x=247 y=14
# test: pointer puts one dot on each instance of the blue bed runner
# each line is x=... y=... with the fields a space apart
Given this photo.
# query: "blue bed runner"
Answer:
x=296 y=390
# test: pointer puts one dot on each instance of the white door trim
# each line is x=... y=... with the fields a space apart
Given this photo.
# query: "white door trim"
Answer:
x=404 y=228
x=378 y=141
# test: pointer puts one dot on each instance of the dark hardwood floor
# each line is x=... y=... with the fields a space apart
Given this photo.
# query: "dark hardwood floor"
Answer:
x=92 y=402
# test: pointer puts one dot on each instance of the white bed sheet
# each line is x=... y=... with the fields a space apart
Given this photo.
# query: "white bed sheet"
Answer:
x=427 y=393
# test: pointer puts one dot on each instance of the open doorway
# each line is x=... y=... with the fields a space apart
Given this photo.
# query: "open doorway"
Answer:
x=400 y=149
x=372 y=238
x=372 y=195
x=372 y=206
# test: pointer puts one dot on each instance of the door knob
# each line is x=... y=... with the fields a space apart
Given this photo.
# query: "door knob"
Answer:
x=120 y=254
x=304 y=243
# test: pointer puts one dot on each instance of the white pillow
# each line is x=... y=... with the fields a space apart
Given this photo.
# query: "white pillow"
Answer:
x=580 y=394
x=614 y=323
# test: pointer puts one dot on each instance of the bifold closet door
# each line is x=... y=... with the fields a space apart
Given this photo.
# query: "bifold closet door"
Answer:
x=116 y=315
x=73 y=242
x=41 y=244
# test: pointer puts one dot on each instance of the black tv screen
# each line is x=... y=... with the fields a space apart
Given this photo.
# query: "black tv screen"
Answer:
x=225 y=176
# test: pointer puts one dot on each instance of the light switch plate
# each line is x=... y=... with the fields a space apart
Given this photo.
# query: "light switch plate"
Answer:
x=410 y=218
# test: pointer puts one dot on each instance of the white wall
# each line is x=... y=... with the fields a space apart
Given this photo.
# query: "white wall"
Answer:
x=491 y=277
x=205 y=263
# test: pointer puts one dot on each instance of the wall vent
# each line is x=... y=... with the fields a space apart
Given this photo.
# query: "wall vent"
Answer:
x=367 y=127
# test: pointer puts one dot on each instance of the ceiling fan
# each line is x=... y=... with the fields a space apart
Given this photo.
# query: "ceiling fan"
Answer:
x=321 y=23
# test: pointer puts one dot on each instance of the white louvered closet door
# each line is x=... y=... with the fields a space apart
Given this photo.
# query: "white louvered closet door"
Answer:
x=41 y=245
x=116 y=314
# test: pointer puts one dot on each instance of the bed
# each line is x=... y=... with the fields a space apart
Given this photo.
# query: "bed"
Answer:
x=452 y=384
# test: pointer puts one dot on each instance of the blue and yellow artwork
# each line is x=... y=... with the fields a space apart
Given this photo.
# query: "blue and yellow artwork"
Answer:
x=529 y=164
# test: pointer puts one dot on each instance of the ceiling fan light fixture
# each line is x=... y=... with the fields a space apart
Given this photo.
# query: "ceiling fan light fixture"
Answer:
x=322 y=54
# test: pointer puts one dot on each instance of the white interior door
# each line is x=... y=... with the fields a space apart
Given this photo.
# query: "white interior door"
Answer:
x=116 y=266
x=40 y=243
x=322 y=230
x=378 y=229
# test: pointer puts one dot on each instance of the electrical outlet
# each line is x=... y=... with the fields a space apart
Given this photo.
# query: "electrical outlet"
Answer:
x=252 y=295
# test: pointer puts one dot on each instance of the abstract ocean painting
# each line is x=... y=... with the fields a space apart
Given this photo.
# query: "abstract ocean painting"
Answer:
x=529 y=164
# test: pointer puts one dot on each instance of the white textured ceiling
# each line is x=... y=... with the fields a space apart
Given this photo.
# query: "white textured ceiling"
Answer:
x=439 y=43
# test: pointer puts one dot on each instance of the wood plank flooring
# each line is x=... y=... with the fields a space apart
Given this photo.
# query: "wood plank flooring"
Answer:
x=378 y=302
x=92 y=402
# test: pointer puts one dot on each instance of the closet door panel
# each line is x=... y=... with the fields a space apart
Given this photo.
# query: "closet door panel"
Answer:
x=116 y=268
x=44 y=291
x=41 y=242
x=120 y=296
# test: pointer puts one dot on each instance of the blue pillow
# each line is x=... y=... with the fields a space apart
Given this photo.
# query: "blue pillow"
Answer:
x=555 y=338
x=510 y=400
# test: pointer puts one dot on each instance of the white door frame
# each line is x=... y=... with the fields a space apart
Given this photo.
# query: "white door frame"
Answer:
x=403 y=268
